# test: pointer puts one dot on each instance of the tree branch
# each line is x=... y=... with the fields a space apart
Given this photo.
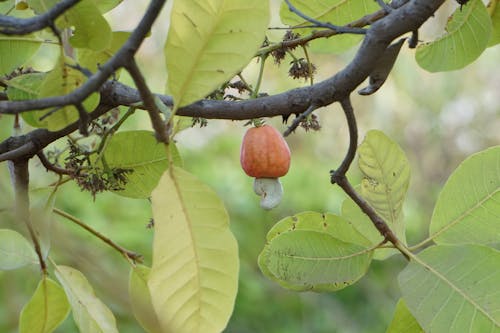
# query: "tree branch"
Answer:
x=22 y=26
x=147 y=97
x=96 y=81
x=406 y=18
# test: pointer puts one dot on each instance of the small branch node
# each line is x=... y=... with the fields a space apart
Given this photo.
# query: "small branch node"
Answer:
x=84 y=119
x=296 y=122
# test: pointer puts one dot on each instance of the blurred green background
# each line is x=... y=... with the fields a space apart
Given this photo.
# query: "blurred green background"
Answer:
x=438 y=119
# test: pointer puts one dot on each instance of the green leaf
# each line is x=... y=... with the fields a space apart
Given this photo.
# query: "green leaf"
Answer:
x=194 y=277
x=16 y=50
x=62 y=80
x=91 y=315
x=91 y=59
x=15 y=250
x=209 y=42
x=140 y=152
x=494 y=12
x=140 y=299
x=386 y=177
x=26 y=87
x=468 y=33
x=46 y=309
x=468 y=207
x=313 y=251
x=338 y=12
x=454 y=288
x=403 y=320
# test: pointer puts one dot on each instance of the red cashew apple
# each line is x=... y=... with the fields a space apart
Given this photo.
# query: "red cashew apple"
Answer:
x=265 y=155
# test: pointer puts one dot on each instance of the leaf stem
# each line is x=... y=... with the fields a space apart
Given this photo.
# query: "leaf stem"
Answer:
x=421 y=244
x=255 y=92
x=129 y=255
x=309 y=64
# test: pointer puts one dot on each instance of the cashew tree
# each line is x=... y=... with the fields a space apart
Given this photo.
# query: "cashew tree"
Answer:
x=70 y=120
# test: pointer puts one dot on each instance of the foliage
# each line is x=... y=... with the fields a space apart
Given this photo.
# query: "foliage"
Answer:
x=189 y=281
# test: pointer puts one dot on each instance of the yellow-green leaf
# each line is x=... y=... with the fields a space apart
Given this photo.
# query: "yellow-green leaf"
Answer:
x=26 y=87
x=386 y=177
x=16 y=50
x=194 y=276
x=468 y=34
x=145 y=158
x=62 y=80
x=494 y=11
x=454 y=289
x=140 y=299
x=209 y=41
x=313 y=251
x=403 y=320
x=468 y=207
x=46 y=309
x=337 y=12
x=91 y=30
x=105 y=6
x=91 y=315
x=91 y=60
x=15 y=250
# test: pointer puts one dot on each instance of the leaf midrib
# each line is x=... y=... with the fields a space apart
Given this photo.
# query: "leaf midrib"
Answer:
x=193 y=241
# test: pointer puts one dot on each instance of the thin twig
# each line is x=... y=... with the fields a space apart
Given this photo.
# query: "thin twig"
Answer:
x=135 y=257
x=319 y=24
x=353 y=140
x=159 y=125
x=19 y=174
x=52 y=167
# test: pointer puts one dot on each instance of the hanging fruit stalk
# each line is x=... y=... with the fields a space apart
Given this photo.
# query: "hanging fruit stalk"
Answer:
x=265 y=155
